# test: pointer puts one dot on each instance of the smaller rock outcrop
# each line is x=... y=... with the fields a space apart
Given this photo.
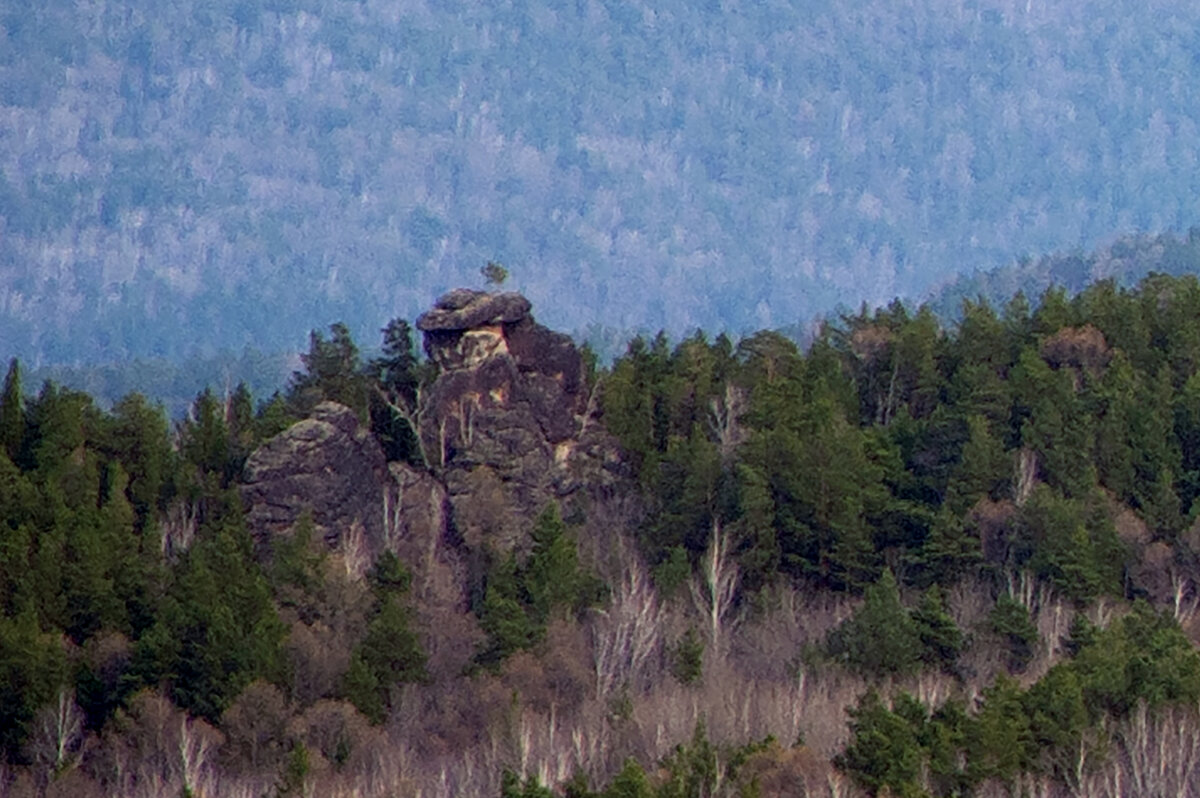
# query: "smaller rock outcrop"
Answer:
x=328 y=465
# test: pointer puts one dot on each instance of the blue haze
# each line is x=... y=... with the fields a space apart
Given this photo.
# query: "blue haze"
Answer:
x=188 y=177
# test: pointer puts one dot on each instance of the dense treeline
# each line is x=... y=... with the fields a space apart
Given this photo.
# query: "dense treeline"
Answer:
x=924 y=561
x=885 y=442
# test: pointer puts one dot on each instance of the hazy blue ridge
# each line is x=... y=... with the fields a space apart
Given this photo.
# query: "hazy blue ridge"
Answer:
x=1125 y=261
x=183 y=178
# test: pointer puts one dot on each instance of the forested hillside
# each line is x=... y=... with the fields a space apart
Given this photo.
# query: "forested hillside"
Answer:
x=909 y=560
x=180 y=178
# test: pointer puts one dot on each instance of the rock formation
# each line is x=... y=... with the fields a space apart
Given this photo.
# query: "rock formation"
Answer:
x=506 y=428
x=328 y=465
x=506 y=423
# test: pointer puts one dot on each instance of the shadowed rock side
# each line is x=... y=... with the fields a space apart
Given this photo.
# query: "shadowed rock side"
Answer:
x=328 y=465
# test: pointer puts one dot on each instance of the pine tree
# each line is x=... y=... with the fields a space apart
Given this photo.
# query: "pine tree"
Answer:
x=880 y=639
x=941 y=639
x=883 y=755
x=984 y=470
x=12 y=414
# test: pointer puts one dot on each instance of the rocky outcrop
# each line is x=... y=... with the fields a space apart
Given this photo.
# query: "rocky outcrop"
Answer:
x=328 y=465
x=506 y=427
x=506 y=424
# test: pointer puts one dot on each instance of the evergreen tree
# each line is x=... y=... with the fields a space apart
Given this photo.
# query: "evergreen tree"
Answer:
x=941 y=639
x=332 y=371
x=12 y=414
x=883 y=755
x=1010 y=622
x=391 y=653
x=397 y=375
x=880 y=639
x=984 y=471
x=33 y=666
x=999 y=742
x=139 y=440
x=217 y=629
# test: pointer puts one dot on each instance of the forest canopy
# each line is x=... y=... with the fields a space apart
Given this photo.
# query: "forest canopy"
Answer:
x=930 y=559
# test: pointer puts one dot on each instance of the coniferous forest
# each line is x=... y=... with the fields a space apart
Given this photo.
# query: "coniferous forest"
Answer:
x=909 y=559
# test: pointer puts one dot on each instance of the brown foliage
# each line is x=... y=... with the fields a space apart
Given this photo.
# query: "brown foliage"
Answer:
x=993 y=524
x=1078 y=347
x=779 y=772
x=256 y=726
x=336 y=732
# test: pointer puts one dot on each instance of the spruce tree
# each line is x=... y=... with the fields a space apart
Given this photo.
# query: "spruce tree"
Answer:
x=12 y=413
x=880 y=639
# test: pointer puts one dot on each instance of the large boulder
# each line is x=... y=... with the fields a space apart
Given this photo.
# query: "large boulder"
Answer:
x=327 y=465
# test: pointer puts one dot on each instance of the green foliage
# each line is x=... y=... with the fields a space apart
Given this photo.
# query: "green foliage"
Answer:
x=493 y=273
x=332 y=371
x=391 y=653
x=12 y=413
x=397 y=375
x=292 y=781
x=33 y=665
x=884 y=751
x=511 y=786
x=217 y=629
x=1009 y=620
x=1000 y=743
x=518 y=600
x=1143 y=657
x=673 y=572
x=1073 y=545
x=941 y=639
x=687 y=657
x=880 y=639
x=985 y=469
x=693 y=769
x=552 y=577
x=503 y=616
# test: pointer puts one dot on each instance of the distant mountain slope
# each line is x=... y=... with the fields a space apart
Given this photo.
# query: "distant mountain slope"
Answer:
x=192 y=176
x=1126 y=261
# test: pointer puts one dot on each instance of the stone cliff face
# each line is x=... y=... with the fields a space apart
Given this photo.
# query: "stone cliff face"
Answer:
x=506 y=428
x=506 y=424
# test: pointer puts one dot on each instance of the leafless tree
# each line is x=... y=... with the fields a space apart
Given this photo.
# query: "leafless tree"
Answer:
x=1184 y=599
x=627 y=634
x=715 y=587
x=412 y=412
x=178 y=527
x=356 y=557
x=724 y=416
x=196 y=745
x=1024 y=475
x=1160 y=751
x=256 y=724
x=57 y=733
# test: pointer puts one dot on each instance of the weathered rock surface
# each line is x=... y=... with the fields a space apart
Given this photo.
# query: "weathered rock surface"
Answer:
x=506 y=424
x=506 y=428
x=328 y=465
